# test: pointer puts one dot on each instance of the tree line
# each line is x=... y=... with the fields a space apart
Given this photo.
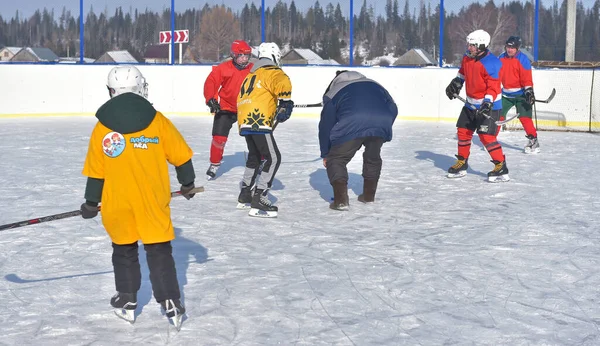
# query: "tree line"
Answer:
x=325 y=30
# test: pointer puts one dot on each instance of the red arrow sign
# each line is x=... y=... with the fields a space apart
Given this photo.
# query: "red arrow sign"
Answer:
x=181 y=36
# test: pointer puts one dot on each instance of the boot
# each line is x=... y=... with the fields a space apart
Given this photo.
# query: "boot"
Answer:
x=211 y=173
x=532 y=146
x=459 y=169
x=340 y=195
x=499 y=173
x=124 y=305
x=369 y=189
x=172 y=307
x=245 y=197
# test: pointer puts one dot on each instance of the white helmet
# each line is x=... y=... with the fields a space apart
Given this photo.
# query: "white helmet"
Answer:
x=271 y=51
x=480 y=38
x=126 y=79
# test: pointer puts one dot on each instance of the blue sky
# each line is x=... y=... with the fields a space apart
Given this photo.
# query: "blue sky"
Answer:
x=26 y=8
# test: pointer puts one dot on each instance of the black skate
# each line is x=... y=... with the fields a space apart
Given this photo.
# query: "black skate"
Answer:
x=532 y=146
x=245 y=197
x=261 y=206
x=459 y=169
x=499 y=173
x=211 y=173
x=174 y=311
x=125 y=305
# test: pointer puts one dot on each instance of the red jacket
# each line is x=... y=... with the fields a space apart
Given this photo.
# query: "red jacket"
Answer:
x=223 y=83
x=482 y=79
x=516 y=74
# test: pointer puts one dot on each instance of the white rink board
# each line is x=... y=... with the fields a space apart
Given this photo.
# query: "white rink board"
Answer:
x=44 y=90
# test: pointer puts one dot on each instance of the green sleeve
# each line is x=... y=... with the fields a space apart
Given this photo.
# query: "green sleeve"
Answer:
x=185 y=173
x=93 y=190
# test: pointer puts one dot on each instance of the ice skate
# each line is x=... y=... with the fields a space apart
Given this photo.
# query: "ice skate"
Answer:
x=499 y=173
x=532 y=146
x=459 y=169
x=125 y=305
x=174 y=311
x=261 y=206
x=245 y=197
x=211 y=173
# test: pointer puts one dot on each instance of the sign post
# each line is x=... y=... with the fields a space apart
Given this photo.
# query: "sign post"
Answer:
x=181 y=37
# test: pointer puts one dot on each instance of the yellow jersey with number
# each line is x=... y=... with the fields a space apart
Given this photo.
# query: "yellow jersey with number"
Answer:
x=258 y=97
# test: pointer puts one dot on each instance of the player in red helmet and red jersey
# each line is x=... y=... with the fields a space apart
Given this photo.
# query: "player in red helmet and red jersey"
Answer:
x=220 y=91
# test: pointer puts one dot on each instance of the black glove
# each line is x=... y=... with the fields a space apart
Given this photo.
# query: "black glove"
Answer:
x=284 y=110
x=454 y=87
x=185 y=189
x=485 y=109
x=214 y=106
x=529 y=97
x=89 y=210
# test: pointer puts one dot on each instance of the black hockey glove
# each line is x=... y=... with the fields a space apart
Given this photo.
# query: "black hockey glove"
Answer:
x=485 y=109
x=284 y=110
x=529 y=96
x=89 y=210
x=214 y=106
x=454 y=87
x=185 y=189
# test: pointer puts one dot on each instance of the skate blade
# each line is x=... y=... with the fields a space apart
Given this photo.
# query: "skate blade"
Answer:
x=457 y=175
x=127 y=315
x=262 y=213
x=176 y=321
x=209 y=178
x=243 y=206
x=534 y=151
x=499 y=179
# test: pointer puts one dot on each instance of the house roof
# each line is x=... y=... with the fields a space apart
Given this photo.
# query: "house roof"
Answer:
x=13 y=50
x=311 y=57
x=121 y=56
x=415 y=56
x=42 y=54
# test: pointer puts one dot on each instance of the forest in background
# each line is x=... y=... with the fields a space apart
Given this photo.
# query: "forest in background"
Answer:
x=324 y=29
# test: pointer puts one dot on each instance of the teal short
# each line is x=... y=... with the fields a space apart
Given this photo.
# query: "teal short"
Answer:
x=523 y=108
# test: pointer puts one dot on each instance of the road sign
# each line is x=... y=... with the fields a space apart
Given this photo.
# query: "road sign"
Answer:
x=181 y=36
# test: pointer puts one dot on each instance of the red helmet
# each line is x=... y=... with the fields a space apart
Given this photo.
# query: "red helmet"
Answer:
x=240 y=47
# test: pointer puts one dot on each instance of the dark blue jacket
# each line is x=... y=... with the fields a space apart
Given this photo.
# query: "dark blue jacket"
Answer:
x=354 y=107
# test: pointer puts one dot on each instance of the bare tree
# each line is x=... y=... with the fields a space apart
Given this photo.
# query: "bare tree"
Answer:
x=498 y=22
x=218 y=28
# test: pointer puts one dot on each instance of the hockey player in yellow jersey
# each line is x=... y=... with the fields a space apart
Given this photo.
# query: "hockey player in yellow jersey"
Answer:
x=263 y=101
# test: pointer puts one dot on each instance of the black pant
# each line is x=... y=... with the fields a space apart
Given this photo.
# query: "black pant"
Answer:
x=163 y=275
x=468 y=119
x=261 y=147
x=222 y=123
x=339 y=156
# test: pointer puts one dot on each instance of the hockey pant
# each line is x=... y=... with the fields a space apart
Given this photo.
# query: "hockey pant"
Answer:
x=261 y=147
x=163 y=275
x=222 y=124
x=468 y=122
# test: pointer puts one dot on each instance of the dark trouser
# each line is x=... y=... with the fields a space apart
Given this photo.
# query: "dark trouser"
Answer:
x=468 y=119
x=339 y=156
x=261 y=147
x=223 y=122
x=524 y=109
x=161 y=265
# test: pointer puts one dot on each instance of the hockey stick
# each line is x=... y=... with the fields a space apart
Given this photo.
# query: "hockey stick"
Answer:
x=549 y=97
x=497 y=122
x=310 y=105
x=71 y=214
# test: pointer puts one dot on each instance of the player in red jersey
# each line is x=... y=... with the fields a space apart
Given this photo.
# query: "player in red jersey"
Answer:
x=221 y=89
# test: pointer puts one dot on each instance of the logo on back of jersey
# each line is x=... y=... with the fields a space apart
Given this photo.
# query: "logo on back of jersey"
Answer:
x=113 y=144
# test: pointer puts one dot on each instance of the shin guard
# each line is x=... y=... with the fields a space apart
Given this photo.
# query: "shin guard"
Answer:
x=216 y=149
